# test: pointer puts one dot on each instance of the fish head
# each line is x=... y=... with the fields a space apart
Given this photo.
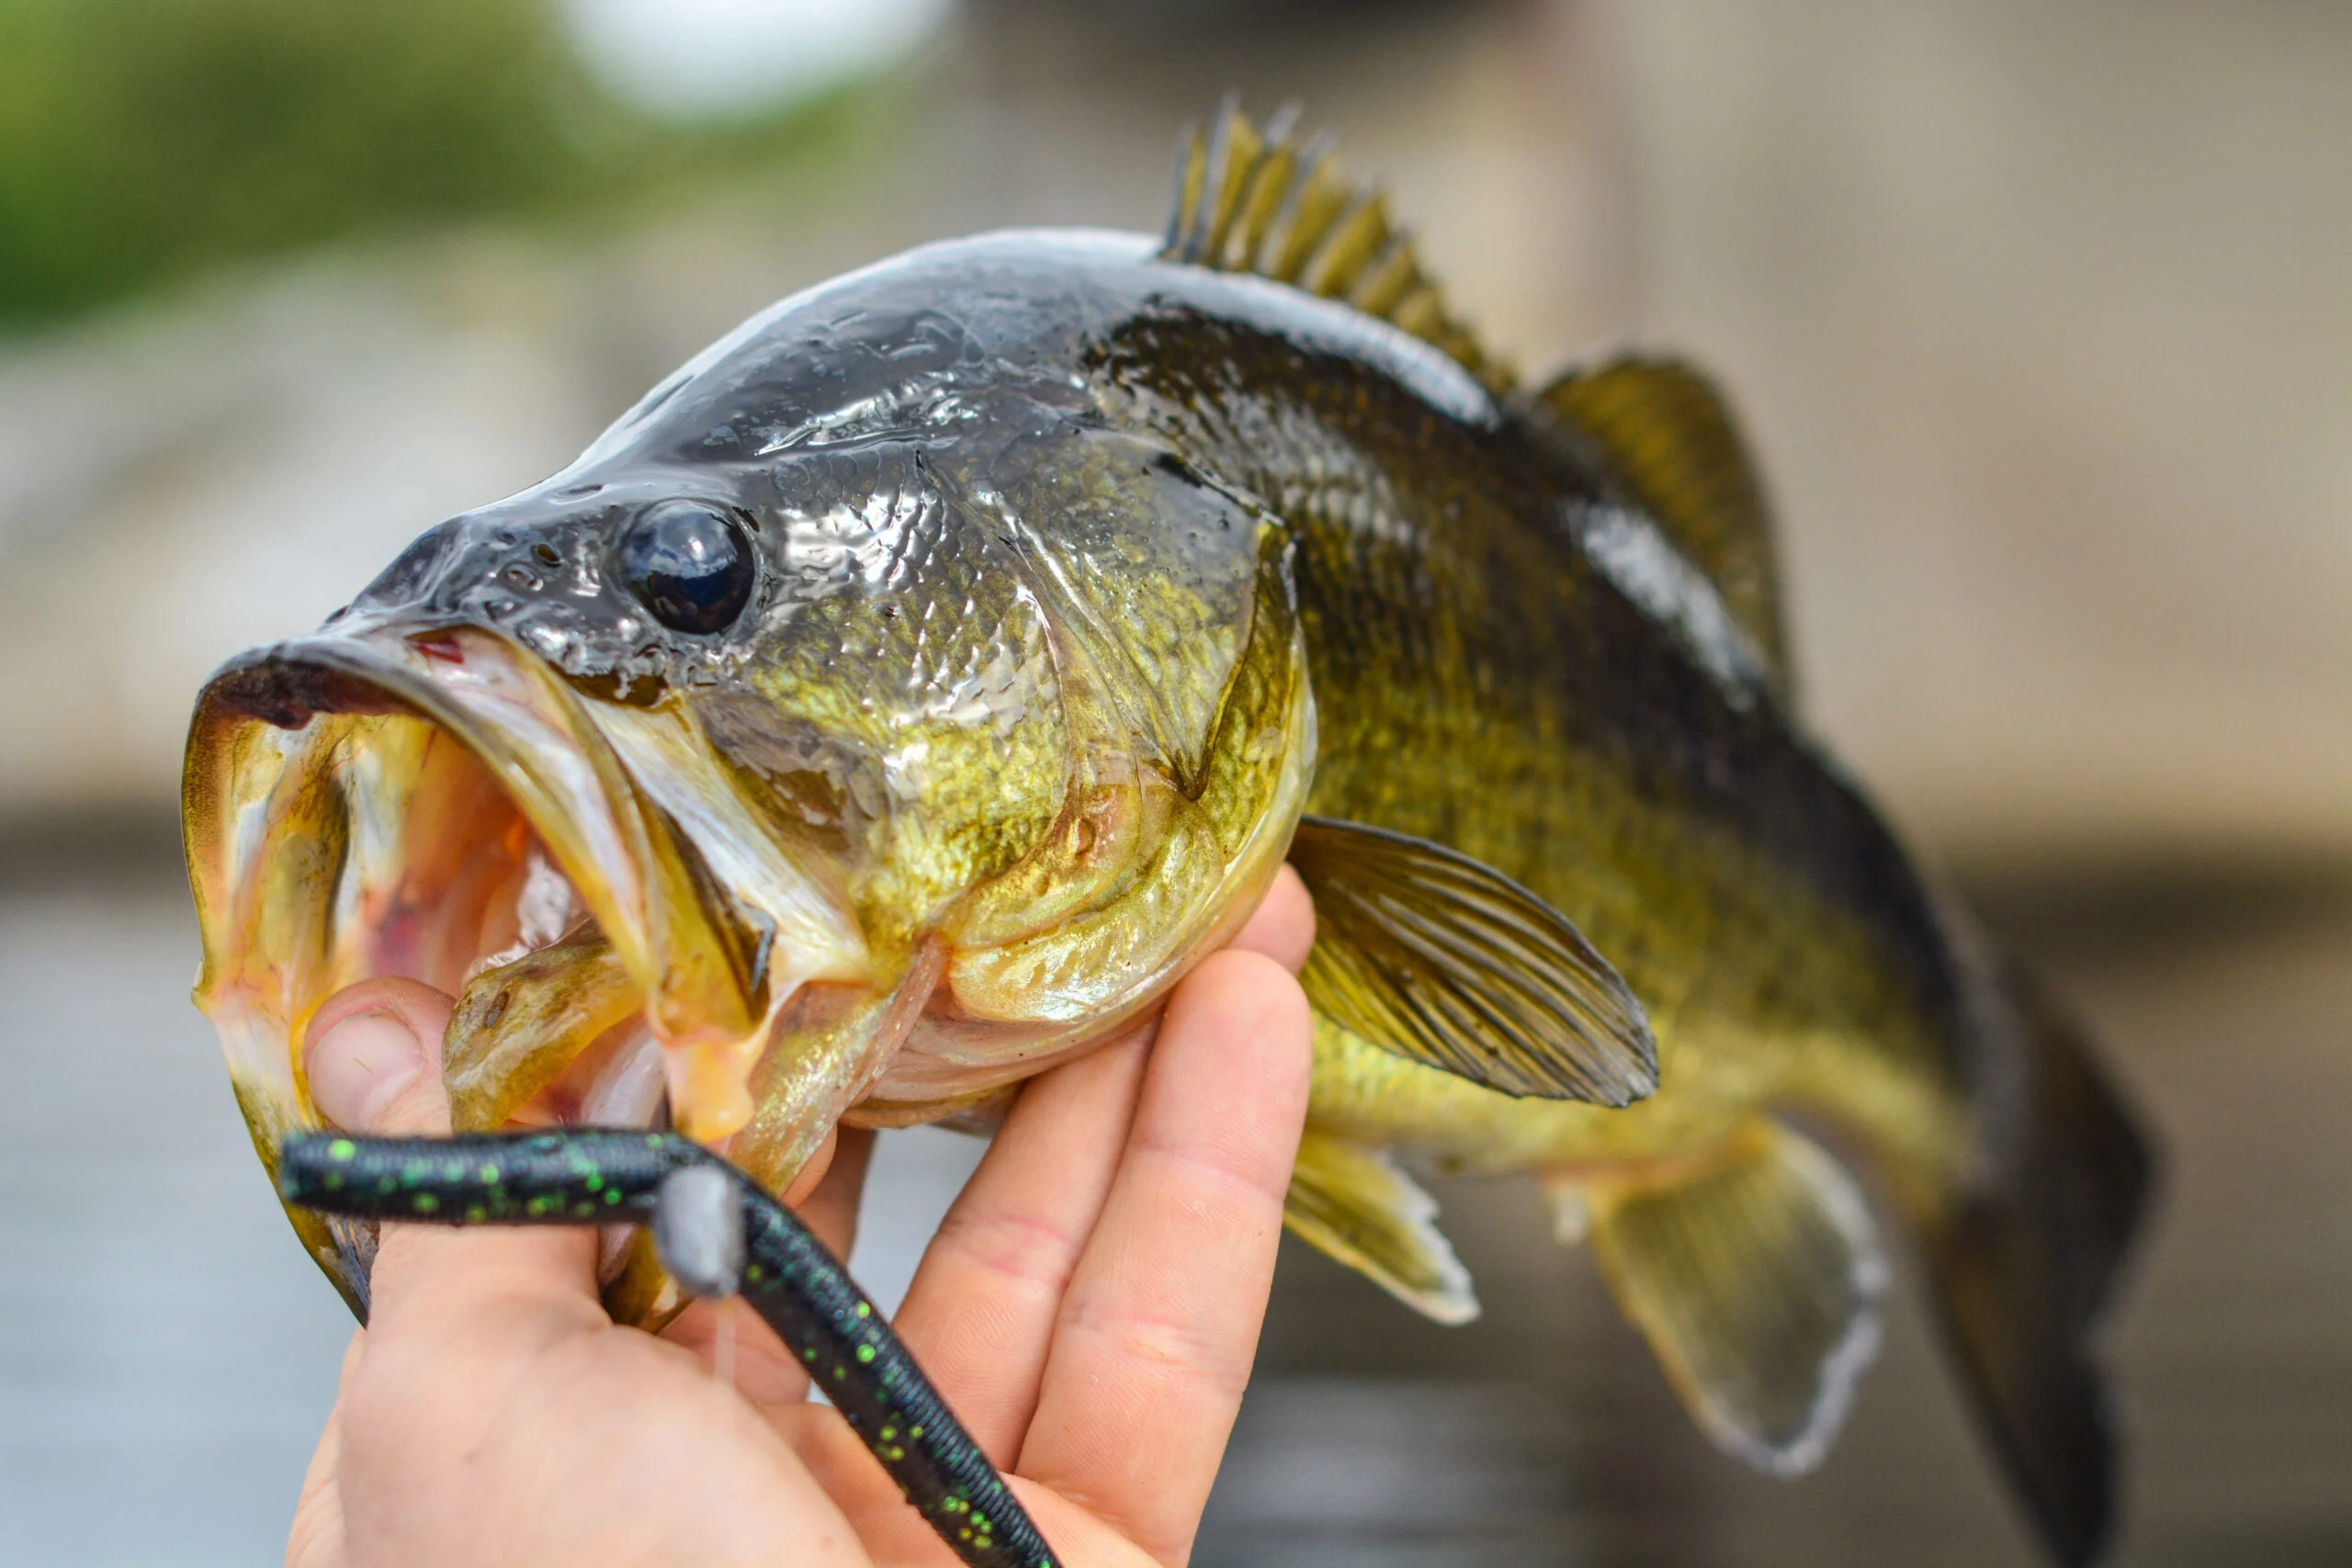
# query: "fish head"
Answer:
x=836 y=661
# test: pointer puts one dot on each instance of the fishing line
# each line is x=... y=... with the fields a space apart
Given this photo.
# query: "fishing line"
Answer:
x=720 y=1234
x=722 y=1350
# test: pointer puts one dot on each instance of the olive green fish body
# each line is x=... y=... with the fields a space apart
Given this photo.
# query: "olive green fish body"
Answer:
x=1480 y=682
x=904 y=694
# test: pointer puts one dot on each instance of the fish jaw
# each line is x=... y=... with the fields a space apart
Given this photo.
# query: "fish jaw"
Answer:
x=370 y=803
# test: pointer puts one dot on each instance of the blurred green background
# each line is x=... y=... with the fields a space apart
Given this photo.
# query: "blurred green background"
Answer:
x=2039 y=317
x=143 y=141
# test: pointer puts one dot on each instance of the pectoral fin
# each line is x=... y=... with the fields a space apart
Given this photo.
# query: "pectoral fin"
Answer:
x=1432 y=956
x=1354 y=1205
x=1759 y=1284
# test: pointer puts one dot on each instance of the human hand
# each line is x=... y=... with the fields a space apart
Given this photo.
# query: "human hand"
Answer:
x=1089 y=1310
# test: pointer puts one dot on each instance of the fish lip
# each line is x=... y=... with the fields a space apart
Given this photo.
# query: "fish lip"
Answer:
x=645 y=858
x=284 y=684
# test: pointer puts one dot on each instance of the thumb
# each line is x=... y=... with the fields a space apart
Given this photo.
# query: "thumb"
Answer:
x=366 y=1056
x=373 y=1056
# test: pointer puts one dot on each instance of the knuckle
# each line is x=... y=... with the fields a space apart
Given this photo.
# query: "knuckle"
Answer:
x=1017 y=1247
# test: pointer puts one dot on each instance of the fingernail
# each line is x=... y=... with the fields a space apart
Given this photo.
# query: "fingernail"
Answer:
x=360 y=1066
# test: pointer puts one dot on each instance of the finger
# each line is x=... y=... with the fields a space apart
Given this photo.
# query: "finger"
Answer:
x=1156 y=1338
x=734 y=1341
x=830 y=1207
x=366 y=1057
x=372 y=1054
x=980 y=1312
x=1282 y=927
x=315 y=1539
x=1076 y=1534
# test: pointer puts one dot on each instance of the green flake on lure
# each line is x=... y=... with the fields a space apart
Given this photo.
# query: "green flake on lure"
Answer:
x=820 y=1308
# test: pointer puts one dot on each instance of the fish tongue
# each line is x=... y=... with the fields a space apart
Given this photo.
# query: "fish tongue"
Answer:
x=521 y=1023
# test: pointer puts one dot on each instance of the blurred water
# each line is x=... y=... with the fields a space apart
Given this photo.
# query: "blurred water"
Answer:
x=167 y=1354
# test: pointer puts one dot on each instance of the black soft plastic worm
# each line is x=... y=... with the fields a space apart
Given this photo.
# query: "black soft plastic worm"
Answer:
x=590 y=1176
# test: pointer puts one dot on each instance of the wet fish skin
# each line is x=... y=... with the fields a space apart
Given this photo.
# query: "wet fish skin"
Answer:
x=981 y=705
x=1496 y=670
x=1080 y=572
x=1482 y=685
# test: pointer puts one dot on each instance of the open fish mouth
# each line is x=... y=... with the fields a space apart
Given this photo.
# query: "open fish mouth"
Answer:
x=618 y=926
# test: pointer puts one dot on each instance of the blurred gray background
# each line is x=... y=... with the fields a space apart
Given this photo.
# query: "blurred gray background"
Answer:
x=2040 y=321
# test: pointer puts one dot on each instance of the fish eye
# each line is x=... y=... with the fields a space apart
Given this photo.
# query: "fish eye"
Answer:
x=691 y=564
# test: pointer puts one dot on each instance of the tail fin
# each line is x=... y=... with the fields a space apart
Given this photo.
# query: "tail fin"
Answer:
x=2024 y=1264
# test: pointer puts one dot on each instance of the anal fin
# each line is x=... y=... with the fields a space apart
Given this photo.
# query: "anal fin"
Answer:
x=1351 y=1203
x=1759 y=1280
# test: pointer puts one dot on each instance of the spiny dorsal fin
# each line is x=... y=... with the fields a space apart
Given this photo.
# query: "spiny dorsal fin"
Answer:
x=1248 y=200
x=1669 y=435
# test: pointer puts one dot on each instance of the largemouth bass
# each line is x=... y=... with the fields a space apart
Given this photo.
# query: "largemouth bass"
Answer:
x=901 y=696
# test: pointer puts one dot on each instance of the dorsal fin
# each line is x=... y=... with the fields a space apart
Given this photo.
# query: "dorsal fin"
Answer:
x=1248 y=200
x=1668 y=434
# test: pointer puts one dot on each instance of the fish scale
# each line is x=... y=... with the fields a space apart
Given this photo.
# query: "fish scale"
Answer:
x=1088 y=574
